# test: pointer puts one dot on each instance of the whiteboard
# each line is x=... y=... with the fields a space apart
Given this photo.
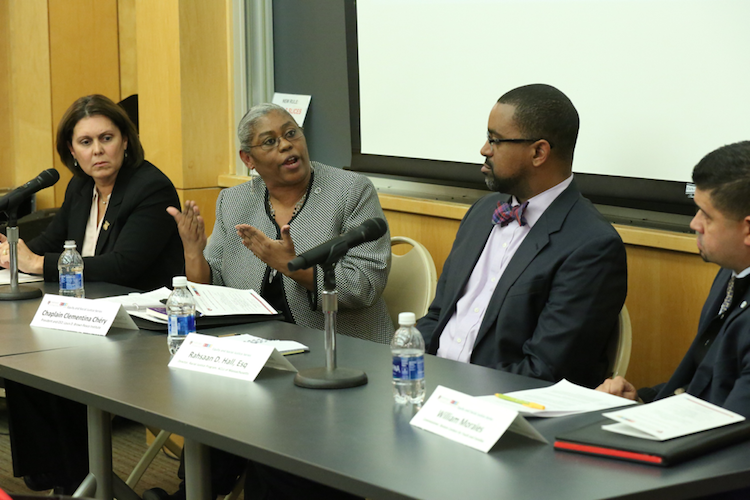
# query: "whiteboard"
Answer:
x=657 y=83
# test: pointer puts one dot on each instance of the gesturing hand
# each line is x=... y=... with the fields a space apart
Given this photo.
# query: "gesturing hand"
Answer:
x=275 y=253
x=191 y=228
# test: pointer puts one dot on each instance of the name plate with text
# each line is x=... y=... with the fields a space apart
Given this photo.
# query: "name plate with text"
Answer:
x=470 y=421
x=71 y=314
x=227 y=356
x=295 y=104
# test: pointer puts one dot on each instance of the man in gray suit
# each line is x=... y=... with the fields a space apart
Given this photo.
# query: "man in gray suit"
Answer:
x=535 y=281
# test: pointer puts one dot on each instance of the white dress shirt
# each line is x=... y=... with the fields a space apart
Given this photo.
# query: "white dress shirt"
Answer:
x=93 y=227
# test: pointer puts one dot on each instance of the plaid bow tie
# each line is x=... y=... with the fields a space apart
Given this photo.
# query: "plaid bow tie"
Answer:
x=504 y=214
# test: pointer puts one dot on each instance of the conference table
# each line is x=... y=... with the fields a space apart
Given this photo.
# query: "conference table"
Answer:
x=354 y=439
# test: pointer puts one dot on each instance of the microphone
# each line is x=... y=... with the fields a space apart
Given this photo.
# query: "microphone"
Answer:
x=334 y=249
x=44 y=180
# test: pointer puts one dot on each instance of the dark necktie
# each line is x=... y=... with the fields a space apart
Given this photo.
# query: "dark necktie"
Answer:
x=729 y=296
x=505 y=214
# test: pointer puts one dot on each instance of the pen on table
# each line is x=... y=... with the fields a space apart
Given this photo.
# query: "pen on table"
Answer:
x=536 y=406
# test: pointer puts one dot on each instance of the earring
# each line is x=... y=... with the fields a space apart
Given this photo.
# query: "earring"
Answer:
x=126 y=153
x=251 y=179
x=75 y=163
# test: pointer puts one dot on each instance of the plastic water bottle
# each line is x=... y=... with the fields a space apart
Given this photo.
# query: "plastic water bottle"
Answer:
x=181 y=312
x=70 y=267
x=407 y=349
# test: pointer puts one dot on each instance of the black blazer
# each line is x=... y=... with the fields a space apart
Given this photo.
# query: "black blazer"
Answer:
x=723 y=377
x=138 y=245
x=557 y=303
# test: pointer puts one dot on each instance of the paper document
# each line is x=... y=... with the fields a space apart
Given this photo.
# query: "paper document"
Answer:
x=22 y=277
x=283 y=346
x=142 y=301
x=563 y=398
x=210 y=300
x=670 y=417
x=213 y=300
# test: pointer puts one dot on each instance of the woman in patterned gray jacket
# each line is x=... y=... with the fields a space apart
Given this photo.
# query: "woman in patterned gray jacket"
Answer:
x=295 y=205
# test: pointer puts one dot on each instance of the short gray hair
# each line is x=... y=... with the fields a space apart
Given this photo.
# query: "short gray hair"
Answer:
x=246 y=128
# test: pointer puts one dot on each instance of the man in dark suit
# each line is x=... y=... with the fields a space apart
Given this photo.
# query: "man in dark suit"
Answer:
x=716 y=368
x=535 y=285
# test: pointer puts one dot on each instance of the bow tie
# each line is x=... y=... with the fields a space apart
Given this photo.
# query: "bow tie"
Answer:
x=504 y=214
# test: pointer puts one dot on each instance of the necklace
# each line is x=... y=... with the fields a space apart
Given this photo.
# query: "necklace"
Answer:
x=297 y=206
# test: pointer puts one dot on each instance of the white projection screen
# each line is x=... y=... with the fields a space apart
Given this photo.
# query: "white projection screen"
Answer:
x=657 y=83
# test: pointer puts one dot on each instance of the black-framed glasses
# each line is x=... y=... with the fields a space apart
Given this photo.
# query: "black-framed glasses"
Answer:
x=494 y=141
x=291 y=135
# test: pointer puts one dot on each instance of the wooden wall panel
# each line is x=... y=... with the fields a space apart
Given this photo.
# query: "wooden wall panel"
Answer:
x=666 y=292
x=667 y=280
x=83 y=38
x=183 y=82
x=30 y=93
x=6 y=119
x=206 y=200
x=127 y=48
x=158 y=70
x=205 y=77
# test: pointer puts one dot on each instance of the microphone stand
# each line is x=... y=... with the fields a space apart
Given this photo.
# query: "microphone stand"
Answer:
x=330 y=376
x=14 y=291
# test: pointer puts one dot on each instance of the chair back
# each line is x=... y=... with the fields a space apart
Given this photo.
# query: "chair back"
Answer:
x=412 y=280
x=619 y=347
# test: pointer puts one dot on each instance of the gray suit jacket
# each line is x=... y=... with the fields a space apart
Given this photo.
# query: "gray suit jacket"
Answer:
x=557 y=303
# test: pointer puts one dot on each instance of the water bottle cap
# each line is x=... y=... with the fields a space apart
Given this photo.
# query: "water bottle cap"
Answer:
x=69 y=244
x=179 y=281
x=407 y=318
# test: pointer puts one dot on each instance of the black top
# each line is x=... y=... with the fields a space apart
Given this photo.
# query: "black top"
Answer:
x=138 y=244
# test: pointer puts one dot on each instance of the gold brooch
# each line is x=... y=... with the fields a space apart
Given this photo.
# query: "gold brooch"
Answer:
x=106 y=225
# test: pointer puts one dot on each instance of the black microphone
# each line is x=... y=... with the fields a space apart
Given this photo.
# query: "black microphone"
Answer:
x=44 y=180
x=334 y=249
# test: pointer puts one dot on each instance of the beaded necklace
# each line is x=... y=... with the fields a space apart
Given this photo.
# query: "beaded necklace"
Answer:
x=297 y=206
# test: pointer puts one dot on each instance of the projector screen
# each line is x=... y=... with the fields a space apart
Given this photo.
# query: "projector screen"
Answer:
x=657 y=83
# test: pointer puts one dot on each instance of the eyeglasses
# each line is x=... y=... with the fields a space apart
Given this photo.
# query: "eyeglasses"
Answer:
x=291 y=135
x=494 y=141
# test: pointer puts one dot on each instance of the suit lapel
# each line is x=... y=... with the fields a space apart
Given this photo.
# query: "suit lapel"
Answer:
x=114 y=207
x=550 y=222
x=702 y=377
x=80 y=211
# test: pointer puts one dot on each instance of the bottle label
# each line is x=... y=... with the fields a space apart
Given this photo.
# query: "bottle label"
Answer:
x=408 y=367
x=71 y=281
x=181 y=325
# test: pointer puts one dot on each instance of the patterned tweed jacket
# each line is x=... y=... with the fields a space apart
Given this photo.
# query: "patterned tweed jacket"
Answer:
x=337 y=201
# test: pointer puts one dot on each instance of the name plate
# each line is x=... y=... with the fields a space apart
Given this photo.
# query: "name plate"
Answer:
x=227 y=357
x=470 y=421
x=71 y=314
x=296 y=104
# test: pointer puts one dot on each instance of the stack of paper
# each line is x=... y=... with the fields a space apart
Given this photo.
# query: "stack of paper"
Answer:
x=563 y=398
x=669 y=418
x=210 y=300
x=22 y=277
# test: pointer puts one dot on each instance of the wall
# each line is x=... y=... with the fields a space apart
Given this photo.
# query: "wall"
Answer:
x=51 y=53
x=6 y=118
x=184 y=88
